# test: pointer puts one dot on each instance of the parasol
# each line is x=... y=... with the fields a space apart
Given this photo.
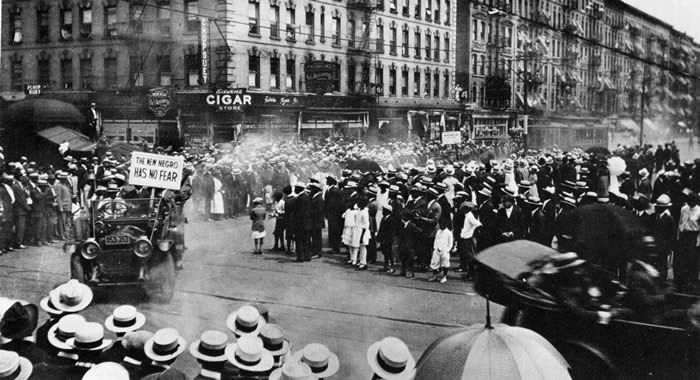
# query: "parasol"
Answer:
x=513 y=258
x=492 y=353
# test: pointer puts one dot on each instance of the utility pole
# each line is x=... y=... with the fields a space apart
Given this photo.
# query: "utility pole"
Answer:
x=641 y=107
x=525 y=104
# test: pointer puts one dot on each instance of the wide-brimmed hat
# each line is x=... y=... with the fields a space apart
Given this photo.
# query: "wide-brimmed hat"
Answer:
x=63 y=330
x=569 y=201
x=90 y=336
x=125 y=318
x=210 y=347
x=533 y=201
x=273 y=339
x=293 y=371
x=249 y=354
x=322 y=361
x=165 y=345
x=449 y=169
x=18 y=318
x=485 y=192
x=245 y=320
x=391 y=360
x=71 y=297
x=14 y=367
x=663 y=201
x=107 y=371
x=48 y=307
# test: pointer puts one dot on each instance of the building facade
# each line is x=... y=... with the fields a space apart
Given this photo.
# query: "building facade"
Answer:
x=316 y=66
x=584 y=61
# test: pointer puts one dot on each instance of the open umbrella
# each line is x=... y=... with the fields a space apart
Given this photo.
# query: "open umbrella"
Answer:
x=492 y=353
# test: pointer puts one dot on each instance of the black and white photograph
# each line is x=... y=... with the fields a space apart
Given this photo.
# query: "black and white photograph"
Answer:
x=349 y=190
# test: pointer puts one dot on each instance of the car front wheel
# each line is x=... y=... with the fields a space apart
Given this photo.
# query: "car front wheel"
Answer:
x=161 y=281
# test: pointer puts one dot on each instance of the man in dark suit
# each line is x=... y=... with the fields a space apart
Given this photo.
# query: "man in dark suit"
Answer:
x=21 y=209
x=428 y=222
x=510 y=223
x=333 y=207
x=407 y=237
x=290 y=214
x=7 y=201
x=302 y=223
x=665 y=228
x=318 y=221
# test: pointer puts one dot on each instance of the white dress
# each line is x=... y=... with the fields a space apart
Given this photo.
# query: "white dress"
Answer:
x=217 y=202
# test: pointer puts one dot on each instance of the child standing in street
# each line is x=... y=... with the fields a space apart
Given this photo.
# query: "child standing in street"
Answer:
x=257 y=217
x=443 y=244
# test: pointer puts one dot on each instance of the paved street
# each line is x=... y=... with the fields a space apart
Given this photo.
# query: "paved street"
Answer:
x=321 y=301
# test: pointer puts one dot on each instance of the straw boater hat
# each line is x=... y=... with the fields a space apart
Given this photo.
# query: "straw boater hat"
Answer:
x=90 y=336
x=65 y=329
x=133 y=343
x=211 y=347
x=107 y=371
x=245 y=320
x=390 y=359
x=71 y=297
x=14 y=367
x=125 y=318
x=323 y=363
x=663 y=201
x=249 y=354
x=293 y=371
x=165 y=345
x=18 y=318
x=273 y=339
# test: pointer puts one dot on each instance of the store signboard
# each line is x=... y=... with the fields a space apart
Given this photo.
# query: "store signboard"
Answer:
x=321 y=77
x=159 y=101
x=239 y=100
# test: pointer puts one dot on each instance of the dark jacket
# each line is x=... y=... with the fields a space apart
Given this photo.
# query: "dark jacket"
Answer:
x=333 y=204
x=515 y=223
x=20 y=207
x=316 y=211
x=407 y=237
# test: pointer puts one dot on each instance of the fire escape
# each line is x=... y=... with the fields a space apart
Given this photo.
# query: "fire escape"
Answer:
x=500 y=46
x=364 y=49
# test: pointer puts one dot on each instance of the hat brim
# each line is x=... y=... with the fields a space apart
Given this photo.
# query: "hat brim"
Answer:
x=407 y=373
x=25 y=369
x=267 y=361
x=333 y=364
x=138 y=323
x=194 y=351
x=105 y=343
x=55 y=342
x=44 y=304
x=84 y=302
x=231 y=324
x=28 y=328
x=286 y=346
x=148 y=350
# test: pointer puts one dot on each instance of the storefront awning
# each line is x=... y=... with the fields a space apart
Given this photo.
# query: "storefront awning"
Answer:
x=650 y=125
x=77 y=141
x=628 y=125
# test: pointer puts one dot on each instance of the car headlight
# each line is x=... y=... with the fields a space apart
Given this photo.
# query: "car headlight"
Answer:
x=143 y=247
x=90 y=249
x=164 y=245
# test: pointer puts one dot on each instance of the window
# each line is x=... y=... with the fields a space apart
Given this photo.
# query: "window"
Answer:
x=323 y=25
x=291 y=74
x=253 y=71
x=85 y=22
x=17 y=75
x=67 y=73
x=392 y=42
x=336 y=30
x=163 y=18
x=392 y=6
x=418 y=10
x=405 y=10
x=436 y=50
x=352 y=73
x=380 y=38
x=275 y=73
x=274 y=21
x=392 y=81
x=379 y=75
x=448 y=12
x=426 y=90
x=475 y=29
x=446 y=86
x=16 y=26
x=365 y=35
x=447 y=48
x=191 y=15
x=428 y=48
x=164 y=76
x=482 y=34
x=110 y=64
x=416 y=83
x=192 y=69
x=135 y=71
x=482 y=64
x=429 y=10
x=351 y=33
x=436 y=84
x=42 y=25
x=404 y=42
x=135 y=17
x=110 y=21
x=291 y=24
x=416 y=41
x=86 y=73
x=436 y=15
x=310 y=30
x=254 y=18
x=66 y=24
x=474 y=63
x=404 y=82
x=365 y=76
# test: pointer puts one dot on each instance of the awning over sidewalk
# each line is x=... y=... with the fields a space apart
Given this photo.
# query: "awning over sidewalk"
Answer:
x=628 y=124
x=77 y=141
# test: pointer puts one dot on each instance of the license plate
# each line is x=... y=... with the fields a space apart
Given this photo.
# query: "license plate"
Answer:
x=117 y=239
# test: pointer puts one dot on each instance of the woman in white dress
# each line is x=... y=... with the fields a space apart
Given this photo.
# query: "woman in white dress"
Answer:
x=360 y=236
x=350 y=220
x=217 y=201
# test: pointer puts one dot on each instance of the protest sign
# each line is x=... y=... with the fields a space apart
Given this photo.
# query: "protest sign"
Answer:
x=155 y=170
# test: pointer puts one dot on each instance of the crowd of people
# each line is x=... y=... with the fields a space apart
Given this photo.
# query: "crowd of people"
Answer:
x=251 y=347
